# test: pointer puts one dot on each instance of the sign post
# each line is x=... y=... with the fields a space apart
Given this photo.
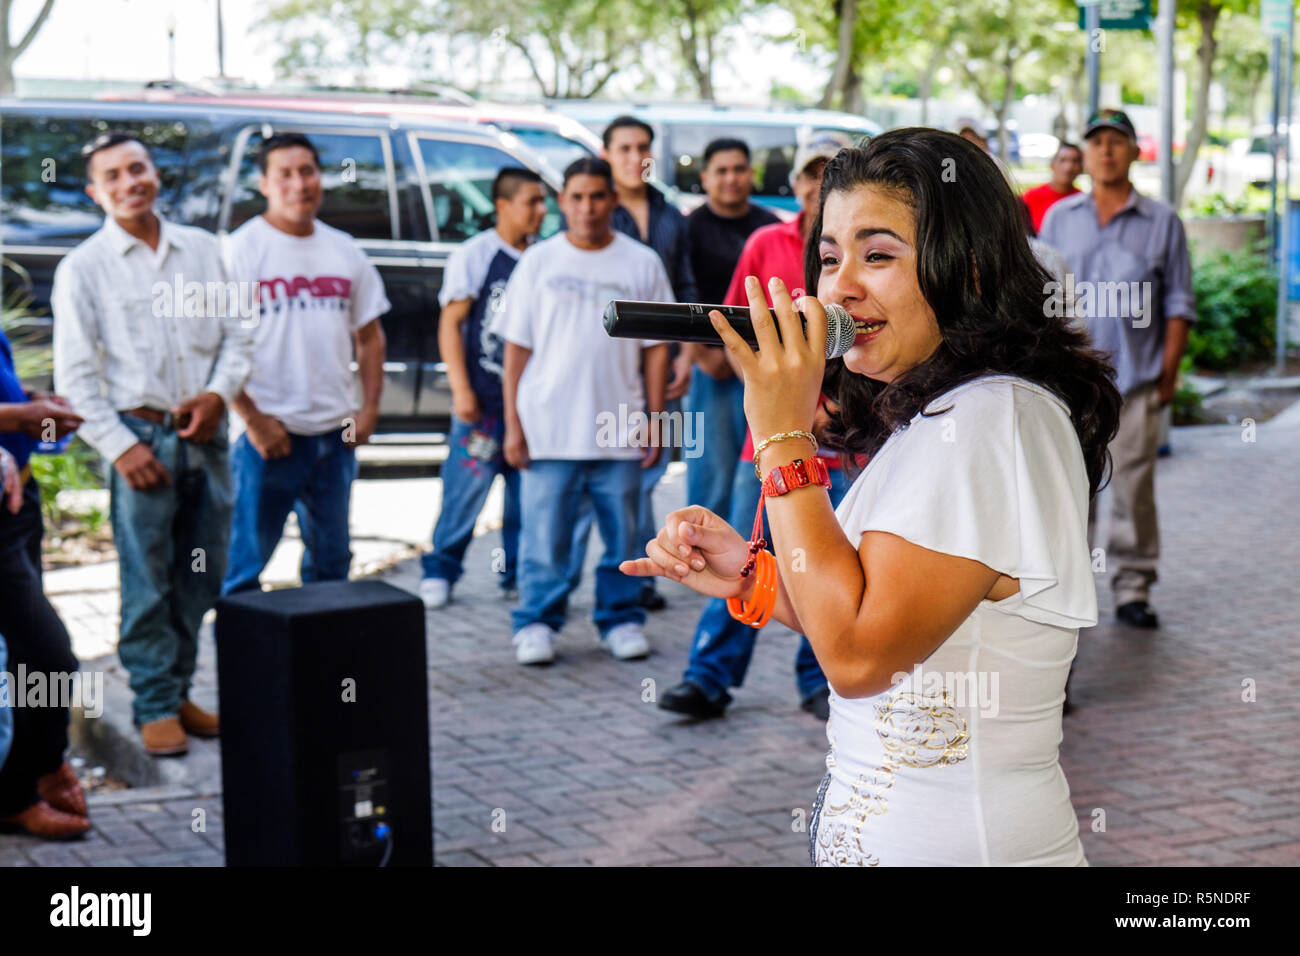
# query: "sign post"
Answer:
x=1096 y=16
x=1277 y=18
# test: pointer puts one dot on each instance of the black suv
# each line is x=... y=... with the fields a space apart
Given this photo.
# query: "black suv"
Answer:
x=407 y=190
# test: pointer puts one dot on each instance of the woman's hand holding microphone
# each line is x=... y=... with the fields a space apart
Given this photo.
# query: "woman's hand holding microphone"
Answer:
x=782 y=385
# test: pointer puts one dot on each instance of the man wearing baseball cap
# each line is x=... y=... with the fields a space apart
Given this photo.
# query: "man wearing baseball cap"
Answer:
x=1133 y=288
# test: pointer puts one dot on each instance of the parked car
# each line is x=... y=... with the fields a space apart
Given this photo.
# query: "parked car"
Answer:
x=682 y=132
x=409 y=190
x=553 y=136
x=1254 y=164
x=1013 y=141
x=1040 y=147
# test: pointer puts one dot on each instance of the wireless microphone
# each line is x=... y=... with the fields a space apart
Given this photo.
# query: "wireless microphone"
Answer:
x=690 y=322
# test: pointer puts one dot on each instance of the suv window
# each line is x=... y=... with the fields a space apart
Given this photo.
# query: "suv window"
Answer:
x=42 y=192
x=354 y=173
x=460 y=185
x=557 y=150
x=771 y=151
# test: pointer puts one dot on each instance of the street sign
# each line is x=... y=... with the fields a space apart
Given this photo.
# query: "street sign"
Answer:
x=1121 y=14
x=1275 y=17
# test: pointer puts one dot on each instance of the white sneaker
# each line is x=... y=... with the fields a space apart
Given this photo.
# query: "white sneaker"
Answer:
x=534 y=644
x=435 y=592
x=626 y=642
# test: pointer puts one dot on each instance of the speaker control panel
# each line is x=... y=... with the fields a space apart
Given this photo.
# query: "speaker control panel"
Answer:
x=364 y=824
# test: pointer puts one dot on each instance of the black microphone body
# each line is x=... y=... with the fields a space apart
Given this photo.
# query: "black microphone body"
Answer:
x=690 y=322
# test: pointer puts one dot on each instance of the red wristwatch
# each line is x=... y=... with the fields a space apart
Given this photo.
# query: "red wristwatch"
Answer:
x=797 y=474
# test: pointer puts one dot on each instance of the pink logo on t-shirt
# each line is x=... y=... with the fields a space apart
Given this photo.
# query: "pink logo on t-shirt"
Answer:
x=320 y=287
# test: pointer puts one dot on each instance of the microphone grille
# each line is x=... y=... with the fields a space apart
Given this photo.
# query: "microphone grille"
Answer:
x=840 y=330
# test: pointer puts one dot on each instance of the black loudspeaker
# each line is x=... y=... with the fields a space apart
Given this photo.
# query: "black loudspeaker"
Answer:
x=325 y=727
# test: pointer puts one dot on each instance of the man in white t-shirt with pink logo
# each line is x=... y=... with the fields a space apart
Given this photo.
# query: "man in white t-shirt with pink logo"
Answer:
x=319 y=300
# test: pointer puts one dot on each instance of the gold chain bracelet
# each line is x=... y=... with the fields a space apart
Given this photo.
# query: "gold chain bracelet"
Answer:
x=781 y=436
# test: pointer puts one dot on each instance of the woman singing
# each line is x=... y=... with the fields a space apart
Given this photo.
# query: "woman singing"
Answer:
x=944 y=596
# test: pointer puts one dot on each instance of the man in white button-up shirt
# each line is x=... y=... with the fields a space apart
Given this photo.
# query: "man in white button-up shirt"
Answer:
x=150 y=347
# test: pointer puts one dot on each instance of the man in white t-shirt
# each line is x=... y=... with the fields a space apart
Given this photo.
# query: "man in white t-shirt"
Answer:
x=318 y=297
x=473 y=282
x=574 y=397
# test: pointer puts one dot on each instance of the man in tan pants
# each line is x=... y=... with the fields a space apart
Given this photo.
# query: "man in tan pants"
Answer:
x=1131 y=280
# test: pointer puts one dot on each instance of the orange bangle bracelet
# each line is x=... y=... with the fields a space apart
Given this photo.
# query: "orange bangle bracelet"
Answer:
x=765 y=602
x=758 y=611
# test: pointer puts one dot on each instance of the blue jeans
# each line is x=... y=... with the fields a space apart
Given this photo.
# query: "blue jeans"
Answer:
x=722 y=407
x=646 y=528
x=466 y=481
x=722 y=646
x=551 y=492
x=314 y=481
x=6 y=707
x=171 y=545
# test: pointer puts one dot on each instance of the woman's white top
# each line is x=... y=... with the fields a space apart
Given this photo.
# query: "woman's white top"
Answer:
x=956 y=764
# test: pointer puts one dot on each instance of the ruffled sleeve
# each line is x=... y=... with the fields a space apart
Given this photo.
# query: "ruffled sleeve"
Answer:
x=998 y=478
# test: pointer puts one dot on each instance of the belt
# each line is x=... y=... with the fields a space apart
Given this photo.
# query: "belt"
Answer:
x=165 y=419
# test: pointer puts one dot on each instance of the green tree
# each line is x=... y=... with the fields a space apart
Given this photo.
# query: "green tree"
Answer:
x=857 y=34
x=9 y=51
x=1243 y=49
x=998 y=38
x=1206 y=15
x=317 y=37
x=698 y=26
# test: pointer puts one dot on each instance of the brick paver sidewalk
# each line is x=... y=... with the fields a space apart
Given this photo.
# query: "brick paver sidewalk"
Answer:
x=582 y=769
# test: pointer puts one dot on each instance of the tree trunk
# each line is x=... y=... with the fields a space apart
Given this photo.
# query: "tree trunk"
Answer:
x=853 y=101
x=1208 y=15
x=1004 y=107
x=706 y=90
x=9 y=53
x=927 y=77
x=690 y=44
x=848 y=16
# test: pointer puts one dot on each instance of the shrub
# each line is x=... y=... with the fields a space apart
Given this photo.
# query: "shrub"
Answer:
x=1236 y=304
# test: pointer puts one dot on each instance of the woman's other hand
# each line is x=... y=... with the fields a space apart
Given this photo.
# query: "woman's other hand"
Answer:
x=698 y=549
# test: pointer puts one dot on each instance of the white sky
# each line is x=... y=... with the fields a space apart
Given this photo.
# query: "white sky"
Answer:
x=127 y=40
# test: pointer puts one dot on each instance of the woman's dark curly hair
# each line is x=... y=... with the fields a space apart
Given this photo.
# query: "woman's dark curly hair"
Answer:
x=988 y=292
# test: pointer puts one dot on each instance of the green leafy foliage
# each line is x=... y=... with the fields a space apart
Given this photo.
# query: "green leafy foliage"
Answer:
x=1187 y=408
x=75 y=469
x=1236 y=302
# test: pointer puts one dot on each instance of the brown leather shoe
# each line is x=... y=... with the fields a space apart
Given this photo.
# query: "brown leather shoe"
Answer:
x=197 y=721
x=42 y=820
x=164 y=738
x=62 y=790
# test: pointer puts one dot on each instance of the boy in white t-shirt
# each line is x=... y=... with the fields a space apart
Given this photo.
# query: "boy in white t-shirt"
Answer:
x=318 y=297
x=573 y=396
x=472 y=285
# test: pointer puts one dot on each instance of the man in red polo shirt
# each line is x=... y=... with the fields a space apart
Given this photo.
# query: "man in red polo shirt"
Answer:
x=1067 y=164
x=722 y=646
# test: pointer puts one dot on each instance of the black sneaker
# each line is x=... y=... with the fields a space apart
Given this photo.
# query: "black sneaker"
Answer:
x=1137 y=614
x=687 y=698
x=818 y=704
x=652 y=600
